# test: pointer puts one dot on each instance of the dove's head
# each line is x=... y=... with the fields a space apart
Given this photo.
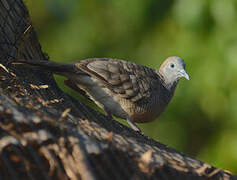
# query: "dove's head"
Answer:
x=172 y=69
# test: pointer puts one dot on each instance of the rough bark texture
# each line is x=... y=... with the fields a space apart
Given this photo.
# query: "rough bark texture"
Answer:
x=46 y=134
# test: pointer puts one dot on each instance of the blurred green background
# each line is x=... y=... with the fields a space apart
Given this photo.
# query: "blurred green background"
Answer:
x=201 y=120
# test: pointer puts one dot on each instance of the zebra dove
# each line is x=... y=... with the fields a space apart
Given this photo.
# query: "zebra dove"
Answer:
x=124 y=89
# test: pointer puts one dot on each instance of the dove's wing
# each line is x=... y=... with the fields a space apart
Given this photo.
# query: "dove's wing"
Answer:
x=129 y=80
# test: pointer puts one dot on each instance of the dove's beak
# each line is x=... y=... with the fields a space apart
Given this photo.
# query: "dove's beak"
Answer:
x=184 y=74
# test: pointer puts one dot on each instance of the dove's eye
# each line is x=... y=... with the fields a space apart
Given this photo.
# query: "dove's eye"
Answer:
x=172 y=65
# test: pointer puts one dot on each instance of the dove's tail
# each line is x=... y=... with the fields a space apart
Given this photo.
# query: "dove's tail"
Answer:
x=54 y=67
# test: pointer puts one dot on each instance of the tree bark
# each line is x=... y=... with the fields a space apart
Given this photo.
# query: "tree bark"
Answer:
x=46 y=134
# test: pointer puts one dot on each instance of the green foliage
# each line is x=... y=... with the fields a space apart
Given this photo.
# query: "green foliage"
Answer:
x=202 y=118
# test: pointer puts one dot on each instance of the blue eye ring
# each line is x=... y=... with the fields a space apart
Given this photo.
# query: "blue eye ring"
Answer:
x=172 y=65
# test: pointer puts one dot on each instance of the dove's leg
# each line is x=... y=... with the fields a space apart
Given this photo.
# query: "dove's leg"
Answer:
x=108 y=114
x=133 y=125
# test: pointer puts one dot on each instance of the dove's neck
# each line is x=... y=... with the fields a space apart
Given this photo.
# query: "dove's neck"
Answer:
x=167 y=82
